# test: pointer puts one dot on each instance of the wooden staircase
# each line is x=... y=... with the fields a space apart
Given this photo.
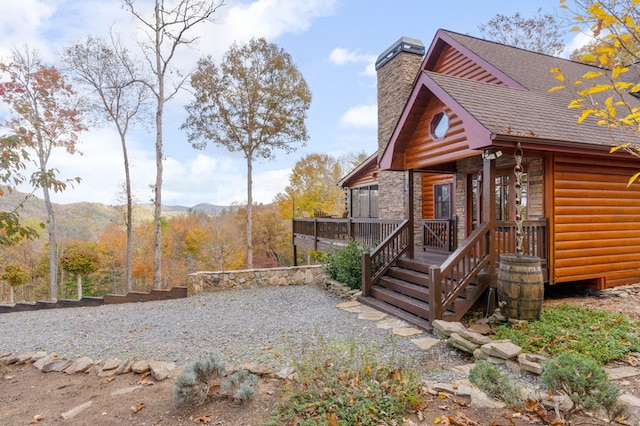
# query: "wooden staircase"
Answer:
x=404 y=292
x=426 y=286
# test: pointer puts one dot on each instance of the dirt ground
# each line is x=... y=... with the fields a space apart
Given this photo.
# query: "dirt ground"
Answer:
x=28 y=396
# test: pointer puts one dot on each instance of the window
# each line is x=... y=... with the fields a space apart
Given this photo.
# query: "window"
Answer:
x=442 y=201
x=364 y=201
x=439 y=125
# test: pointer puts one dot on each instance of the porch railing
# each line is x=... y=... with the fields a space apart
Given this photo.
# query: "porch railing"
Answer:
x=461 y=268
x=320 y=233
x=536 y=241
x=380 y=259
x=439 y=234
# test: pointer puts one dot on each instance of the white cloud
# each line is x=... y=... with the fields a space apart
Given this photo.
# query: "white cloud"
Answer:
x=361 y=116
x=341 y=56
x=579 y=40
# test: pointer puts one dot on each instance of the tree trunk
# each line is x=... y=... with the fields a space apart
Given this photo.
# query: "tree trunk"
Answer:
x=249 y=214
x=157 y=200
x=129 y=215
x=11 y=297
x=79 y=287
x=53 y=246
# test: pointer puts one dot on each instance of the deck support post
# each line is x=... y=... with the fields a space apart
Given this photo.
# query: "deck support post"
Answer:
x=435 y=293
x=489 y=215
x=366 y=274
x=409 y=203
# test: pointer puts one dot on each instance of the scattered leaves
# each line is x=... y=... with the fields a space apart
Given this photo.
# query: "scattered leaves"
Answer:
x=37 y=419
x=202 y=419
x=138 y=407
x=110 y=378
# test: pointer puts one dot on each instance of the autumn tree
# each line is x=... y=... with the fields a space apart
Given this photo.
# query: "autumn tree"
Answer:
x=166 y=30
x=254 y=102
x=16 y=275
x=13 y=158
x=272 y=237
x=80 y=259
x=313 y=187
x=540 y=33
x=608 y=94
x=114 y=85
x=45 y=116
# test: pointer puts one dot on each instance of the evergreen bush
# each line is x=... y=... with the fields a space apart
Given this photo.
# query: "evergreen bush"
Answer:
x=495 y=384
x=345 y=264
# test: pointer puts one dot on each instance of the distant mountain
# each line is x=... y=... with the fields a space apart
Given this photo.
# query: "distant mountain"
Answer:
x=85 y=220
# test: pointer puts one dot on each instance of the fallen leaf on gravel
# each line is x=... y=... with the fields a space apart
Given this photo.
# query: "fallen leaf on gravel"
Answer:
x=267 y=348
x=37 y=419
x=110 y=378
x=461 y=419
x=137 y=407
x=146 y=381
x=202 y=419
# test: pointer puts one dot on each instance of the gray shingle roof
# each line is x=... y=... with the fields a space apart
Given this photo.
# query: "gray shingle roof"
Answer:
x=504 y=110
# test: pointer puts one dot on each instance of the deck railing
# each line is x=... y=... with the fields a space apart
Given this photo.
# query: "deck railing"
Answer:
x=319 y=233
x=439 y=234
x=536 y=241
x=451 y=278
x=376 y=262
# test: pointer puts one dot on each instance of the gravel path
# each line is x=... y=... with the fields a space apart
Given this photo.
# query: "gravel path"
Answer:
x=258 y=325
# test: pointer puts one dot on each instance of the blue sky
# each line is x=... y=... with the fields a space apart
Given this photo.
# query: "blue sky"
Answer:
x=333 y=42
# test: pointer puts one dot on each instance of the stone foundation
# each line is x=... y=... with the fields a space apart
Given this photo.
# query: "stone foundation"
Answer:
x=251 y=278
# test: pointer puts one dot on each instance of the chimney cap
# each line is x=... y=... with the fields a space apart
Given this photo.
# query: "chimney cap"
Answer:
x=404 y=44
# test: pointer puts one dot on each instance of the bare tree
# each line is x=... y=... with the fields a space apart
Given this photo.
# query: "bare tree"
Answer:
x=45 y=116
x=539 y=34
x=255 y=102
x=116 y=90
x=166 y=31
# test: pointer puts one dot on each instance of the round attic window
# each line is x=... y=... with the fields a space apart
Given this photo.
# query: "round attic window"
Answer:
x=439 y=125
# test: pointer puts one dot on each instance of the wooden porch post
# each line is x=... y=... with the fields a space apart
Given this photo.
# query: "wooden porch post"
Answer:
x=489 y=215
x=293 y=240
x=409 y=211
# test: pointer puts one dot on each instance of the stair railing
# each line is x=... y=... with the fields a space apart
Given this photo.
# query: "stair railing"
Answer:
x=451 y=278
x=380 y=259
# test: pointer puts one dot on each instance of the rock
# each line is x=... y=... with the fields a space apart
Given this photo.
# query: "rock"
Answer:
x=371 y=314
x=444 y=329
x=477 y=338
x=391 y=323
x=140 y=367
x=57 y=365
x=502 y=349
x=97 y=367
x=481 y=327
x=513 y=365
x=443 y=387
x=10 y=359
x=622 y=372
x=479 y=354
x=76 y=410
x=126 y=390
x=630 y=400
x=124 y=367
x=531 y=363
x=464 y=369
x=406 y=331
x=38 y=355
x=111 y=364
x=425 y=343
x=458 y=342
x=480 y=399
x=43 y=361
x=160 y=370
x=464 y=390
x=287 y=373
x=25 y=357
x=80 y=365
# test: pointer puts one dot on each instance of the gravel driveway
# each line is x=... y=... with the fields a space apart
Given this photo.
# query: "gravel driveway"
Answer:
x=258 y=325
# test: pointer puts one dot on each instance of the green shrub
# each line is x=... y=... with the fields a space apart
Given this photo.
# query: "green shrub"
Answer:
x=600 y=335
x=193 y=384
x=585 y=382
x=495 y=384
x=348 y=383
x=345 y=264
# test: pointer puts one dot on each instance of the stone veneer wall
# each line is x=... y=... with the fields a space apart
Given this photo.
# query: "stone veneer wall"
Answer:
x=251 y=278
x=395 y=81
x=535 y=176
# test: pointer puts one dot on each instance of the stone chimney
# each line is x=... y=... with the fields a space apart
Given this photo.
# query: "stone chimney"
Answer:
x=397 y=68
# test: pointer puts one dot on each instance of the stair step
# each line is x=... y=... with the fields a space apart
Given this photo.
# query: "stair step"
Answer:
x=397 y=312
x=406 y=288
x=413 y=264
x=409 y=275
x=406 y=303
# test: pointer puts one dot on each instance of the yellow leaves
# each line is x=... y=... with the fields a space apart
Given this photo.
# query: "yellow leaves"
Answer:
x=597 y=88
x=576 y=103
x=591 y=74
x=633 y=179
x=619 y=70
x=556 y=89
x=586 y=113
x=619 y=147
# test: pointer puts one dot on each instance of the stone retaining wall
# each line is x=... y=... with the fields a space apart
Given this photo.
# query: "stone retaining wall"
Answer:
x=251 y=278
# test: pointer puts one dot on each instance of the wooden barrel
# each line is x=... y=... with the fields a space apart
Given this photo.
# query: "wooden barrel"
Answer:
x=520 y=286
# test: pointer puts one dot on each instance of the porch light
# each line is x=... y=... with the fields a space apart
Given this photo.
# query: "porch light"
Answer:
x=490 y=154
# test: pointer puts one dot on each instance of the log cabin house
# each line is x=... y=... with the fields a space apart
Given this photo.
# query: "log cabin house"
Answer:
x=436 y=202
